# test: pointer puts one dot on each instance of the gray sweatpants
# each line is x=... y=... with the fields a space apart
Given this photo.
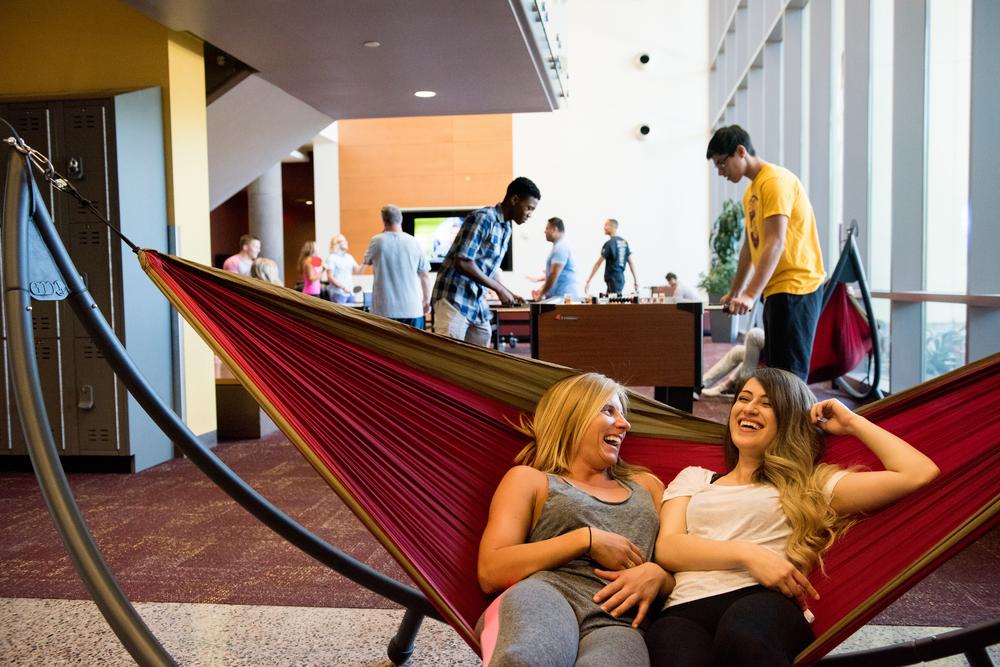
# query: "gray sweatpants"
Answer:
x=539 y=628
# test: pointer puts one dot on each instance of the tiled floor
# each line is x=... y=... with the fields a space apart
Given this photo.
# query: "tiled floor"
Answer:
x=72 y=632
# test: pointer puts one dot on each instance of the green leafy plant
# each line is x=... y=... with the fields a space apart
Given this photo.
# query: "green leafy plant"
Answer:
x=727 y=230
x=944 y=351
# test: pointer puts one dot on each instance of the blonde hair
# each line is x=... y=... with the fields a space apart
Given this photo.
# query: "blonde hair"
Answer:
x=563 y=415
x=265 y=269
x=791 y=465
x=335 y=241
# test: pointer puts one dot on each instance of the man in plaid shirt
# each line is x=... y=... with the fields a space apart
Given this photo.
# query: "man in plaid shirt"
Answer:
x=469 y=269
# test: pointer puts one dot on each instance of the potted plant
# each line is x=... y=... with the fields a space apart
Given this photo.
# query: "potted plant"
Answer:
x=727 y=230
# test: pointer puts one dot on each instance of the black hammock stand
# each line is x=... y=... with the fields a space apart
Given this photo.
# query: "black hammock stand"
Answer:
x=36 y=265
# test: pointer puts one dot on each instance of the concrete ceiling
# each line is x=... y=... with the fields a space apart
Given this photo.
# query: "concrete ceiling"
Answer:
x=478 y=55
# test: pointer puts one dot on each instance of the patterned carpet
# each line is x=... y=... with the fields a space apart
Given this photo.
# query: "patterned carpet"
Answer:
x=170 y=535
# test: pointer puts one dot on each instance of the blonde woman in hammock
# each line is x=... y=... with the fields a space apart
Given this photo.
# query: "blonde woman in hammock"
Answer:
x=742 y=543
x=572 y=513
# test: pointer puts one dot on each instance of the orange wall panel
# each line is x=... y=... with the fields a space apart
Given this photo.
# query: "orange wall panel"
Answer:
x=421 y=162
x=374 y=131
x=397 y=158
x=483 y=157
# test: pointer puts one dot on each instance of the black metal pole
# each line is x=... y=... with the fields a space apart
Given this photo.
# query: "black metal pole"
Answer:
x=401 y=646
x=117 y=357
x=126 y=623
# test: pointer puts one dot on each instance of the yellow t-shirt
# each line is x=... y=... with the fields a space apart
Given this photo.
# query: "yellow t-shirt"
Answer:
x=777 y=191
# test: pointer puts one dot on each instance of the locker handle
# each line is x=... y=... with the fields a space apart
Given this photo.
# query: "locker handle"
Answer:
x=86 y=401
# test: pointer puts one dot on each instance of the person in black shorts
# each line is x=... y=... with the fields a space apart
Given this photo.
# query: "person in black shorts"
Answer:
x=617 y=254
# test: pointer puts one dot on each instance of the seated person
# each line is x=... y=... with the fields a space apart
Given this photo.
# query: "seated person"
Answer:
x=718 y=381
x=742 y=543
x=267 y=270
x=680 y=291
x=571 y=513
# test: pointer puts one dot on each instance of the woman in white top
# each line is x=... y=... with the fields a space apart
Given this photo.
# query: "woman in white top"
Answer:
x=741 y=544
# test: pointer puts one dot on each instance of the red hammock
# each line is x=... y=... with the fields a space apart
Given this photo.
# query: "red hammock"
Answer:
x=413 y=431
x=846 y=332
x=843 y=337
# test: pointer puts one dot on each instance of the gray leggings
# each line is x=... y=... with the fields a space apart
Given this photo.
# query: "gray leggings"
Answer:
x=539 y=627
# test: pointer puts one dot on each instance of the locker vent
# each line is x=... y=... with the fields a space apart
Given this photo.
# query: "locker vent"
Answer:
x=41 y=323
x=90 y=236
x=97 y=437
x=43 y=350
x=83 y=119
x=90 y=351
x=28 y=123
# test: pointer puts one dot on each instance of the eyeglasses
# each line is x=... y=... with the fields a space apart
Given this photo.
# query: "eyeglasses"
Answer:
x=721 y=162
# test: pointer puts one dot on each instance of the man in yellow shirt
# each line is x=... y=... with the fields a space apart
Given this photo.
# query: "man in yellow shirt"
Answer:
x=781 y=245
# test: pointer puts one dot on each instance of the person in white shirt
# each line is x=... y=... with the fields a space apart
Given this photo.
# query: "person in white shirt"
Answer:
x=741 y=543
x=401 y=289
x=340 y=270
x=680 y=291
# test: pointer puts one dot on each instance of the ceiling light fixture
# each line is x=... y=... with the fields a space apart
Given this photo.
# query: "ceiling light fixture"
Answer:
x=371 y=44
x=425 y=93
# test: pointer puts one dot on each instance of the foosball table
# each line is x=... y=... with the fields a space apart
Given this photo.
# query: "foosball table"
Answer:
x=637 y=344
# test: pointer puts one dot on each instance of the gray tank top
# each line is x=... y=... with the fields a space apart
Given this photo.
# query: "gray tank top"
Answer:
x=568 y=508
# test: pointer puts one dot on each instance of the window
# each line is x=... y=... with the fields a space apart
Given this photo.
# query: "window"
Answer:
x=880 y=152
x=947 y=202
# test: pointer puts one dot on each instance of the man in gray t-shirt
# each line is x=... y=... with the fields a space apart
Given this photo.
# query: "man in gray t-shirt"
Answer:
x=402 y=285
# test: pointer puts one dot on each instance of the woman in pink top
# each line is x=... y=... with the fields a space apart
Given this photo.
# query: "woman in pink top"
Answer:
x=312 y=268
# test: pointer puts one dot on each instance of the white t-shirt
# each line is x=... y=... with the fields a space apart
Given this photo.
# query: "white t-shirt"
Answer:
x=399 y=262
x=686 y=293
x=749 y=513
x=342 y=265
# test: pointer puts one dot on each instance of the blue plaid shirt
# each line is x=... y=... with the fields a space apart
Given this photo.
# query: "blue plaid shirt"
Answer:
x=483 y=238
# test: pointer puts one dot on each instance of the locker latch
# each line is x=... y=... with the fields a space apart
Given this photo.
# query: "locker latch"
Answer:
x=86 y=397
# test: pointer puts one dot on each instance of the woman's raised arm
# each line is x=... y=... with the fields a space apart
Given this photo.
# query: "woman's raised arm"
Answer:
x=906 y=469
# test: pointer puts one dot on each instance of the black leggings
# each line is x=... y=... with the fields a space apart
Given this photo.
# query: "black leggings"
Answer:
x=751 y=626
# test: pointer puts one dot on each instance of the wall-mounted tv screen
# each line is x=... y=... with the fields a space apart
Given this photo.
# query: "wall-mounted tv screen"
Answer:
x=436 y=229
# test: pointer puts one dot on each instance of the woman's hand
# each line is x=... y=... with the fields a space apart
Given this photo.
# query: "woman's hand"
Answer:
x=834 y=417
x=614 y=551
x=639 y=585
x=777 y=573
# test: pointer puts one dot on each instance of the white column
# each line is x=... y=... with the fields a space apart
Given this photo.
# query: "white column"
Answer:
x=906 y=328
x=326 y=186
x=983 y=324
x=820 y=112
x=265 y=210
x=857 y=71
x=794 y=102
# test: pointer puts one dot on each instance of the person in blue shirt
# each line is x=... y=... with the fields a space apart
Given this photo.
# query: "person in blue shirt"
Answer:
x=560 y=271
x=472 y=265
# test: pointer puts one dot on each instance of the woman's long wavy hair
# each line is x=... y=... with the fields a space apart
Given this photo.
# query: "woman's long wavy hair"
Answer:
x=308 y=250
x=563 y=415
x=791 y=465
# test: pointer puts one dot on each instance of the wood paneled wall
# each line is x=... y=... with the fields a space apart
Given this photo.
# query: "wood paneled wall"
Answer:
x=419 y=162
